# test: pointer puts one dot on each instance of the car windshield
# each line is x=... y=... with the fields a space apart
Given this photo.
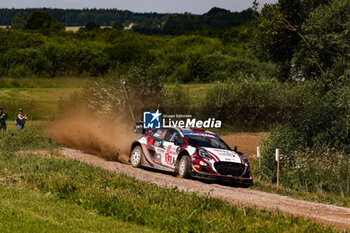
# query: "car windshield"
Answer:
x=207 y=142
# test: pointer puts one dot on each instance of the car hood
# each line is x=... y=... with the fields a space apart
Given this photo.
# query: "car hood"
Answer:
x=224 y=155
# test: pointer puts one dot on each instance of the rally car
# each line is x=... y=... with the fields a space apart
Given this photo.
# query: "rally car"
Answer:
x=190 y=152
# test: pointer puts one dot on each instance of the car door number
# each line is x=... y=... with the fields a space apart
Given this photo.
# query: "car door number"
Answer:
x=169 y=156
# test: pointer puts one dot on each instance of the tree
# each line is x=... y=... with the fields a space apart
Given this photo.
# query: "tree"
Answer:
x=178 y=24
x=118 y=25
x=327 y=31
x=278 y=33
x=320 y=116
x=43 y=21
x=91 y=26
x=216 y=10
x=18 y=21
x=148 y=27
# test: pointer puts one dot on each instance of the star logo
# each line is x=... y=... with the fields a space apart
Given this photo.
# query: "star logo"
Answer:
x=151 y=120
x=156 y=115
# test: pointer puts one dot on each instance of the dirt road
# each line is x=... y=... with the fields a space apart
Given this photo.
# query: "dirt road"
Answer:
x=246 y=143
x=328 y=214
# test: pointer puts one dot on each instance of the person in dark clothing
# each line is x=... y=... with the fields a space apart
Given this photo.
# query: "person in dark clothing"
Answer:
x=3 y=117
x=21 y=119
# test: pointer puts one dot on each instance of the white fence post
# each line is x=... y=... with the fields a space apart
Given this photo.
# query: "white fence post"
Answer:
x=278 y=165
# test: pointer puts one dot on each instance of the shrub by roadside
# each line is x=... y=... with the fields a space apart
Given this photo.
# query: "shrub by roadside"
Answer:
x=314 y=142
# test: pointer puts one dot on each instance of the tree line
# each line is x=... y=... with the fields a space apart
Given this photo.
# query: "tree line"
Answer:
x=41 y=47
x=75 y=17
x=147 y=23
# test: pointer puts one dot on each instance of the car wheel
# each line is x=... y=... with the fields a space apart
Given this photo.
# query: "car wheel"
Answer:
x=185 y=167
x=136 y=156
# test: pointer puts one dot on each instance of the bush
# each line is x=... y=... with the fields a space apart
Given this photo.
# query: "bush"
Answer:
x=182 y=58
x=56 y=59
x=126 y=53
x=319 y=118
x=93 y=61
x=314 y=141
x=19 y=71
x=99 y=52
x=33 y=60
x=193 y=69
x=314 y=170
x=178 y=101
x=249 y=104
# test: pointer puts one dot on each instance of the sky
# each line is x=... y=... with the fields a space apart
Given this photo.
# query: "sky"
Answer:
x=159 y=6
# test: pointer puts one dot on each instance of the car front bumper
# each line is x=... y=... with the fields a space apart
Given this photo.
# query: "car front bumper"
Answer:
x=246 y=178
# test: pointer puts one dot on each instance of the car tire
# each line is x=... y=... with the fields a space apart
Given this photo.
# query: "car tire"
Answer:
x=184 y=167
x=136 y=156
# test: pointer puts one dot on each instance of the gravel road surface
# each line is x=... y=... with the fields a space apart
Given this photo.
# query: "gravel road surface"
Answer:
x=328 y=214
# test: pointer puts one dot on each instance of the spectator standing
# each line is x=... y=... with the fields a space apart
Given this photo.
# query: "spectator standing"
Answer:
x=3 y=117
x=21 y=119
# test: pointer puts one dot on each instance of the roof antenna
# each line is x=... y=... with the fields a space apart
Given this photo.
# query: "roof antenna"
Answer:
x=127 y=99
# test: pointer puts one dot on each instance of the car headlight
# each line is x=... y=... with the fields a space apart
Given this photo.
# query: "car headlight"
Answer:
x=205 y=155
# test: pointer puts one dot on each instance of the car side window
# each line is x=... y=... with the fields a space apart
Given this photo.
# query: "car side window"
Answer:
x=159 y=134
x=169 y=135
x=158 y=137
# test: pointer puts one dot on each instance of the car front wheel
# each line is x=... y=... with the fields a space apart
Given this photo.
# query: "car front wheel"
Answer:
x=136 y=156
x=185 y=167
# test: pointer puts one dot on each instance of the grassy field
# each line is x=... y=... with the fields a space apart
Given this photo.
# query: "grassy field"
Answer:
x=25 y=210
x=67 y=82
x=38 y=97
x=38 y=102
x=198 y=89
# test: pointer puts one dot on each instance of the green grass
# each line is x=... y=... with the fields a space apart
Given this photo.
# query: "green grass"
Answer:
x=197 y=89
x=319 y=196
x=301 y=194
x=98 y=194
x=25 y=210
x=37 y=96
x=31 y=138
x=37 y=125
x=64 y=82
x=38 y=102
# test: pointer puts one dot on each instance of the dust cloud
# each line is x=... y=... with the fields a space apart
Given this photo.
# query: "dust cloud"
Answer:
x=89 y=132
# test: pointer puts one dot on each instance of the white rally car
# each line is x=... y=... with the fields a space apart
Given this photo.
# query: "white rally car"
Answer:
x=190 y=152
